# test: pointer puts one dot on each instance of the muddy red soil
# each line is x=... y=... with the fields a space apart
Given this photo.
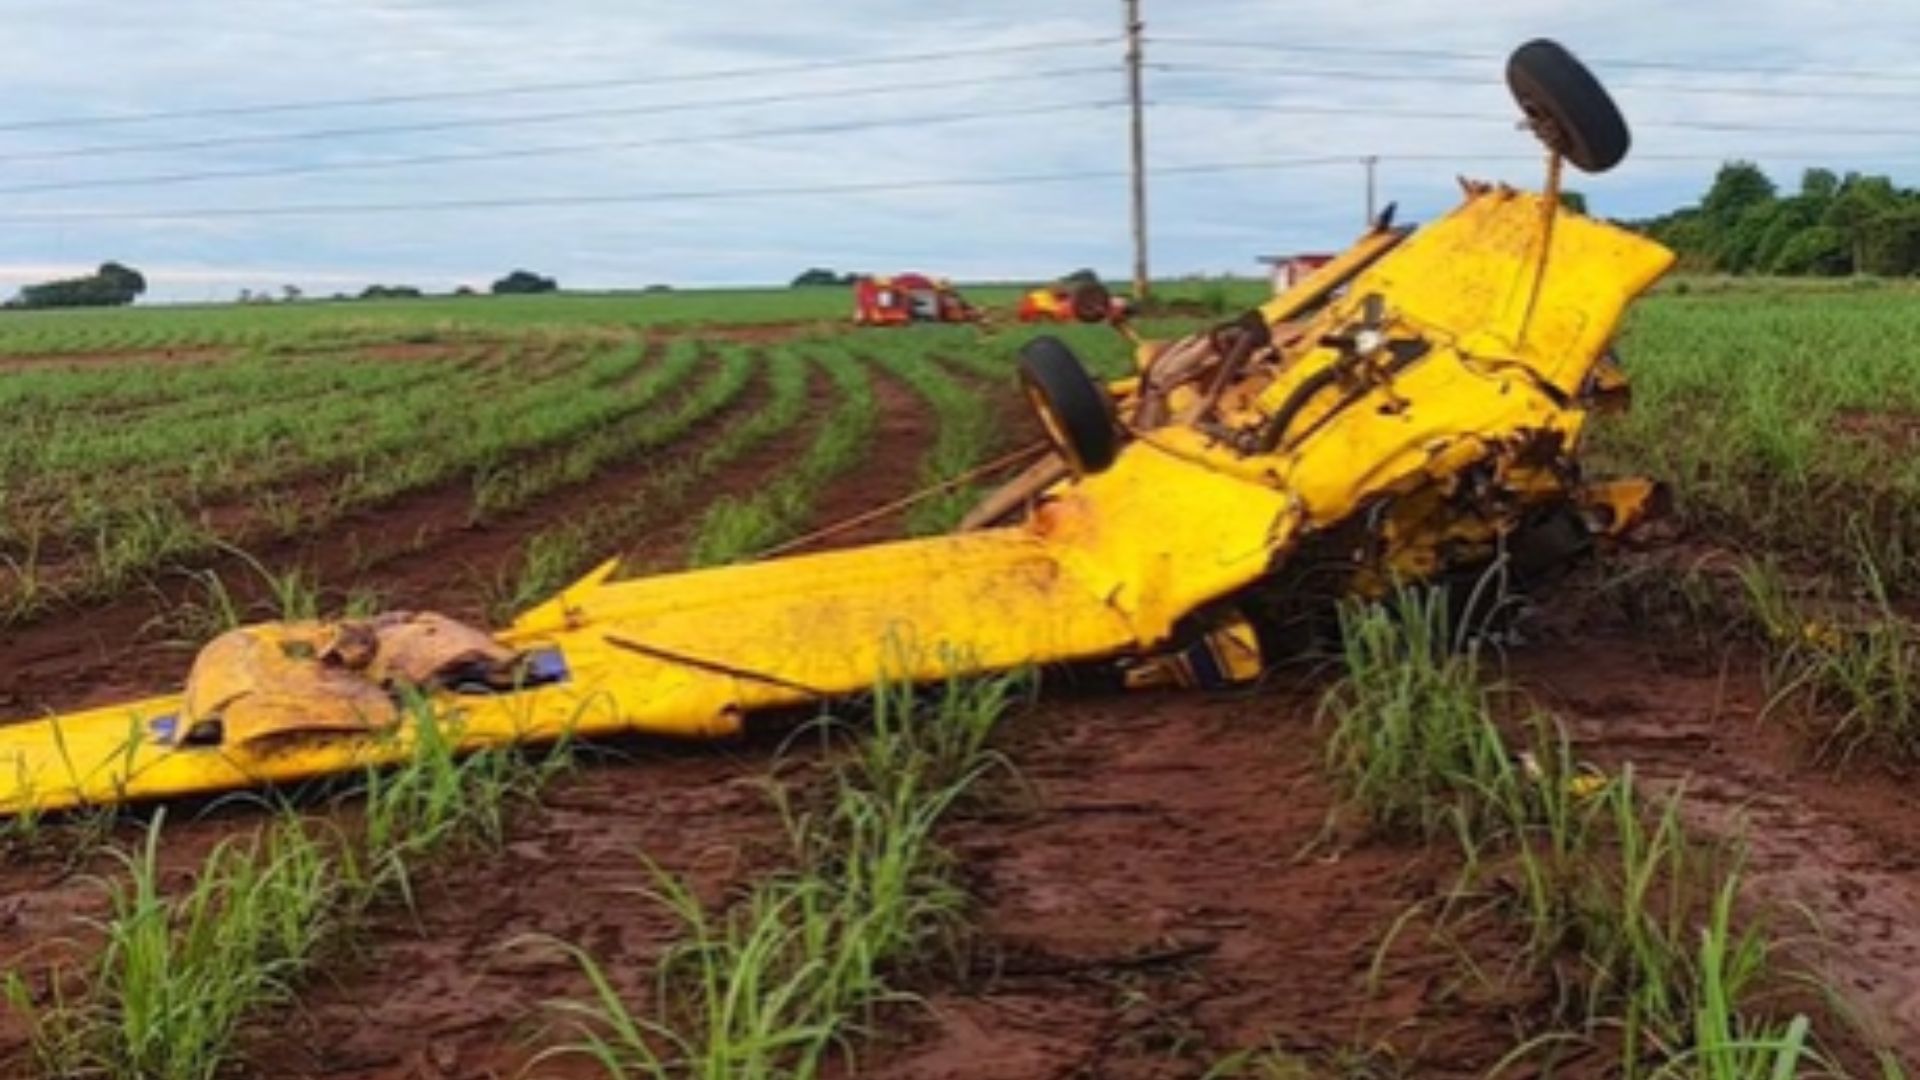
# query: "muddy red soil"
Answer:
x=1898 y=431
x=459 y=990
x=1834 y=855
x=1142 y=906
x=1156 y=889
x=870 y=505
x=421 y=551
x=763 y=333
x=1174 y=895
x=891 y=472
x=668 y=546
x=1152 y=892
x=185 y=354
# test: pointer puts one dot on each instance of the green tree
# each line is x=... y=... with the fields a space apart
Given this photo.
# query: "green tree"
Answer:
x=1740 y=244
x=524 y=282
x=1738 y=187
x=820 y=275
x=1860 y=200
x=1686 y=232
x=1790 y=217
x=1890 y=243
x=1832 y=225
x=122 y=279
x=1819 y=184
x=112 y=285
x=1821 y=250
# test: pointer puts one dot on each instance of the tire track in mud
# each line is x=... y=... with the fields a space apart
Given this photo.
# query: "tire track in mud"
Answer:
x=419 y=551
x=1843 y=848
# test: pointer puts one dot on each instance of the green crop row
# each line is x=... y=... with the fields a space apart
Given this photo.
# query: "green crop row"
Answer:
x=1784 y=420
x=736 y=527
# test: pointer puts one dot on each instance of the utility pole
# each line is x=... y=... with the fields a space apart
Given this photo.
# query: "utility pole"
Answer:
x=1369 y=161
x=1139 y=147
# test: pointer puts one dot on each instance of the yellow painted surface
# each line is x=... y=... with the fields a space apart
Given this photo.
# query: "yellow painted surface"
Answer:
x=1107 y=565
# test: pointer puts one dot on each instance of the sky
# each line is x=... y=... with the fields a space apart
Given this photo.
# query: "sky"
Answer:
x=597 y=140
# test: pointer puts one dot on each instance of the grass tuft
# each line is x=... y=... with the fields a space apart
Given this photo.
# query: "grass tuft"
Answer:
x=178 y=975
x=1633 y=924
x=779 y=983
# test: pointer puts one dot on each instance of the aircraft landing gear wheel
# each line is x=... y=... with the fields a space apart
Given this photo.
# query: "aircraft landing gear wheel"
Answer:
x=1567 y=107
x=1076 y=411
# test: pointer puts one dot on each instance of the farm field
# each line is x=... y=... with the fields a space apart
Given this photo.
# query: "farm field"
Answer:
x=1105 y=885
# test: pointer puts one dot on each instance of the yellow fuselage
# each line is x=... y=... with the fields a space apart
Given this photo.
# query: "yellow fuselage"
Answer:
x=1514 y=302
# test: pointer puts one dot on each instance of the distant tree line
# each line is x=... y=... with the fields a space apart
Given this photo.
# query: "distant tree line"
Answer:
x=820 y=275
x=113 y=285
x=1832 y=225
x=524 y=282
x=519 y=282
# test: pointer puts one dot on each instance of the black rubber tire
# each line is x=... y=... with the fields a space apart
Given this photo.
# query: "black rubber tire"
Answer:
x=1567 y=106
x=1091 y=303
x=1076 y=411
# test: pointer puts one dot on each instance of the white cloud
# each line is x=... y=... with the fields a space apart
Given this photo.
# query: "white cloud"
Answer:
x=85 y=57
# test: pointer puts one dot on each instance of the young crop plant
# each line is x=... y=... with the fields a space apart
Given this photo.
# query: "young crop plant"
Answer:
x=439 y=802
x=290 y=595
x=637 y=428
x=1851 y=664
x=1632 y=922
x=968 y=429
x=735 y=528
x=780 y=983
x=560 y=553
x=1783 y=419
x=1411 y=740
x=177 y=976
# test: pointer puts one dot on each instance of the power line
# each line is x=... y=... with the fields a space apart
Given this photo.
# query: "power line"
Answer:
x=1882 y=74
x=694 y=195
x=1362 y=75
x=522 y=89
x=1344 y=160
x=1441 y=114
x=550 y=150
x=522 y=120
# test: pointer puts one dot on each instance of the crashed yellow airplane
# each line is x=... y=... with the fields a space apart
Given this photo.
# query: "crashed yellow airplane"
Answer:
x=1410 y=411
